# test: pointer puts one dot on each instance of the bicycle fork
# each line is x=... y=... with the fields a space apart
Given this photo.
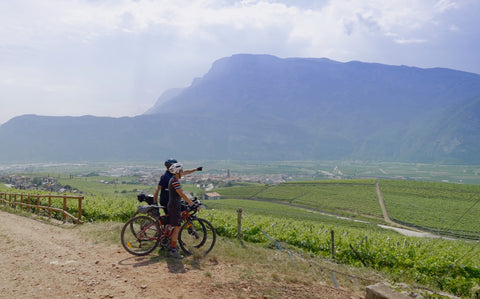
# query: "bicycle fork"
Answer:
x=191 y=230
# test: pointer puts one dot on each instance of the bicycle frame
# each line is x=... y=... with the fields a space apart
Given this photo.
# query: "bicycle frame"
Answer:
x=164 y=230
x=141 y=234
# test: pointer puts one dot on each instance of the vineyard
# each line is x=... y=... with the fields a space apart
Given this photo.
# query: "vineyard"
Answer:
x=438 y=263
x=448 y=209
x=301 y=216
x=347 y=197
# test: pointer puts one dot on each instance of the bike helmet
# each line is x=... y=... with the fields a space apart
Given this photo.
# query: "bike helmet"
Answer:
x=169 y=162
x=175 y=168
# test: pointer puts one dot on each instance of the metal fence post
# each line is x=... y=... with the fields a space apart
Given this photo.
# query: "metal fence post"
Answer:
x=239 y=223
x=332 y=234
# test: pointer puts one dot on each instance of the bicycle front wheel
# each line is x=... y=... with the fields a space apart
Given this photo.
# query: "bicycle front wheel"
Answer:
x=140 y=235
x=197 y=236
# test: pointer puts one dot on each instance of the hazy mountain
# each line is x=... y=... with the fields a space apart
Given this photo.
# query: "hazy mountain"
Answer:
x=165 y=97
x=263 y=107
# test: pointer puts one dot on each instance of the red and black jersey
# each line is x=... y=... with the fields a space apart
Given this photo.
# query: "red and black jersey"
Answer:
x=173 y=185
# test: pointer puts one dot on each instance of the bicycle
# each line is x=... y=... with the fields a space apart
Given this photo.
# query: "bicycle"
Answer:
x=141 y=234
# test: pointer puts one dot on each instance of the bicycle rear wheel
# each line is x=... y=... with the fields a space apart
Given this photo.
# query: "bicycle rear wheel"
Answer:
x=140 y=235
x=197 y=236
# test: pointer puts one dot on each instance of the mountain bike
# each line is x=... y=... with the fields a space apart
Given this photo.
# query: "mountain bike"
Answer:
x=141 y=234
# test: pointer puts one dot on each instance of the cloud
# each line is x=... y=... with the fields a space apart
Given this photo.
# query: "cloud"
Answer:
x=444 y=5
x=118 y=56
x=89 y=20
x=36 y=24
x=410 y=41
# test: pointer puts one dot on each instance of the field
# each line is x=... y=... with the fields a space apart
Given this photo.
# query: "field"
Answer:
x=444 y=208
x=452 y=265
x=288 y=170
x=449 y=209
x=447 y=265
x=301 y=216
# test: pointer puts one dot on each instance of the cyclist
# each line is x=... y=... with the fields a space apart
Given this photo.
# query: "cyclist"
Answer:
x=174 y=206
x=162 y=186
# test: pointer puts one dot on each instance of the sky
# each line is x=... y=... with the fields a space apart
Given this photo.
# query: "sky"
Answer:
x=116 y=57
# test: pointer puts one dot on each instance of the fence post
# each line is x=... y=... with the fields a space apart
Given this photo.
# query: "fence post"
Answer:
x=64 y=209
x=332 y=234
x=80 y=208
x=38 y=204
x=50 y=207
x=28 y=200
x=239 y=223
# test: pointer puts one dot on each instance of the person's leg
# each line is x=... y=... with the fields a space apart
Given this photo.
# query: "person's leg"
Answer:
x=175 y=221
x=174 y=251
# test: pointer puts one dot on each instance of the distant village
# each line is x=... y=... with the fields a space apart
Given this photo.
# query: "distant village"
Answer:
x=22 y=182
x=203 y=180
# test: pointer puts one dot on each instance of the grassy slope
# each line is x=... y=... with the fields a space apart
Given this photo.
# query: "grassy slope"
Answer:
x=455 y=265
x=436 y=206
x=355 y=199
x=445 y=208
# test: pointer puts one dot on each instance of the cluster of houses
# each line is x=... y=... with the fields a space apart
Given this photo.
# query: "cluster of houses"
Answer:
x=34 y=183
x=211 y=195
x=204 y=180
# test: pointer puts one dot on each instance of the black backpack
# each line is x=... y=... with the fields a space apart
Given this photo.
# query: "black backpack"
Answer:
x=145 y=198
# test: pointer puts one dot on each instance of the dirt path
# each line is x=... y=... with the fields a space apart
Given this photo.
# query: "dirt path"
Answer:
x=40 y=260
x=404 y=230
x=381 y=201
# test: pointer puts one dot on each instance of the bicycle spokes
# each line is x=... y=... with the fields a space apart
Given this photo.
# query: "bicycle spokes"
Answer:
x=197 y=235
x=140 y=235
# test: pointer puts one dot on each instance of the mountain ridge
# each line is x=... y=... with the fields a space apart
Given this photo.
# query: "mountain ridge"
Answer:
x=261 y=107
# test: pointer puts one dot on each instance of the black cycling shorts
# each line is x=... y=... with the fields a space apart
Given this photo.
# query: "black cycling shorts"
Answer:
x=174 y=212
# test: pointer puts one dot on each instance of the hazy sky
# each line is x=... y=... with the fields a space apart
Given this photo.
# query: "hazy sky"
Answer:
x=116 y=57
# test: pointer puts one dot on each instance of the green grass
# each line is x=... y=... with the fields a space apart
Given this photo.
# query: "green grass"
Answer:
x=357 y=198
x=288 y=216
x=243 y=191
x=272 y=272
x=449 y=265
x=447 y=208
x=252 y=208
x=346 y=197
x=443 y=207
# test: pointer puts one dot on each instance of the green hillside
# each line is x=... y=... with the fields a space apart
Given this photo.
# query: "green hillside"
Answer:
x=289 y=214
x=444 y=208
x=301 y=217
x=448 y=209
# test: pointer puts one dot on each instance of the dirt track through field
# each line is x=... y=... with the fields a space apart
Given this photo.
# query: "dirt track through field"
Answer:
x=40 y=260
x=381 y=201
x=404 y=230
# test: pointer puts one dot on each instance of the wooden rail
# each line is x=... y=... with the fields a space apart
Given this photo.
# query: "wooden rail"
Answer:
x=31 y=201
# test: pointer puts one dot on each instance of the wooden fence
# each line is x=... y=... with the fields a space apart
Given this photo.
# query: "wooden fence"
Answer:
x=42 y=202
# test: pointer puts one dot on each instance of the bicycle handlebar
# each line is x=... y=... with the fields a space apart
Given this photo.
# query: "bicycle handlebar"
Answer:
x=192 y=209
x=144 y=209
